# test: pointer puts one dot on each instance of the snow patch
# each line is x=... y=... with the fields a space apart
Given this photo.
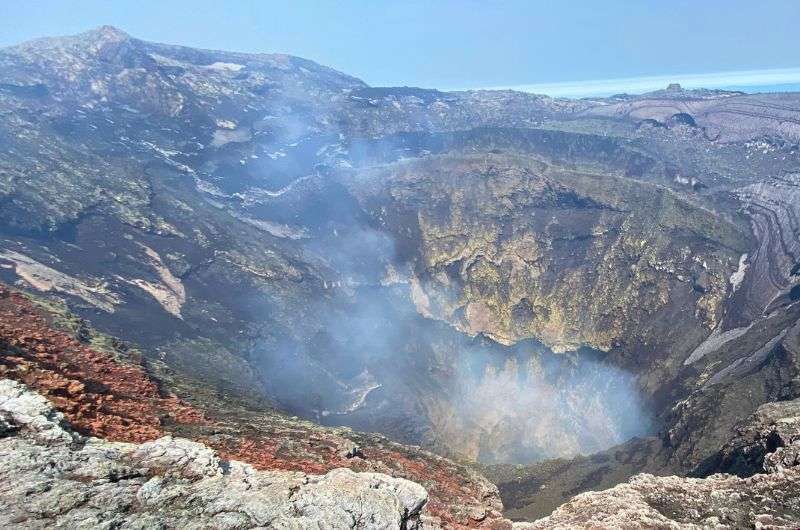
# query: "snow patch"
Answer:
x=743 y=364
x=225 y=67
x=738 y=276
x=46 y=279
x=209 y=188
x=253 y=195
x=280 y=230
x=217 y=66
x=226 y=124
x=170 y=293
x=714 y=342
x=227 y=136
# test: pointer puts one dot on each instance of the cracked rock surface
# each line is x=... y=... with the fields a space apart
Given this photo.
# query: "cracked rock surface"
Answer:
x=720 y=501
x=51 y=477
x=766 y=444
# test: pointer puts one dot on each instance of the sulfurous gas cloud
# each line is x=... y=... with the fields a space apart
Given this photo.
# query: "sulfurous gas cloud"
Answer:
x=365 y=357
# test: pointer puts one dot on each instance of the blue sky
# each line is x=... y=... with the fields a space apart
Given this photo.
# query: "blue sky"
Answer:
x=465 y=44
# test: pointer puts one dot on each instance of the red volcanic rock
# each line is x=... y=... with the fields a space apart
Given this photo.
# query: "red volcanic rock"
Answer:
x=263 y=454
x=118 y=400
x=99 y=395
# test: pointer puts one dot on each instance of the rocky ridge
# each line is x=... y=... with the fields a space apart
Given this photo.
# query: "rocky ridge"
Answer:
x=71 y=480
x=53 y=478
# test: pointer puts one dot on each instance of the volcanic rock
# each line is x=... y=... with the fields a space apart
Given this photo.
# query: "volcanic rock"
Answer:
x=51 y=476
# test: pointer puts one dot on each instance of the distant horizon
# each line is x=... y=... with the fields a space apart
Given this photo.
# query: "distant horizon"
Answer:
x=450 y=44
x=747 y=81
x=750 y=81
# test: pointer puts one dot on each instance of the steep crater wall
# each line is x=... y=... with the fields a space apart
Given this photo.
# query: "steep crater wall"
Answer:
x=516 y=248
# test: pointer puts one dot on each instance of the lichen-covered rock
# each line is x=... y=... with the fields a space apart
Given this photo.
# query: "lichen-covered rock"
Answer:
x=52 y=478
x=27 y=410
x=719 y=501
x=516 y=247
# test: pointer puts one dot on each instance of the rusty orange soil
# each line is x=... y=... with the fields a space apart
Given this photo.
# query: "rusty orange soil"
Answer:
x=98 y=395
x=118 y=400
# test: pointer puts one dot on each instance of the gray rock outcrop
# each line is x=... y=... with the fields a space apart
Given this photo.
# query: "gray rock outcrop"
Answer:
x=769 y=440
x=51 y=477
x=719 y=501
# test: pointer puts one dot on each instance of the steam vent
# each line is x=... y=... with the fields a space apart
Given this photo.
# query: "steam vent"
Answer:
x=250 y=291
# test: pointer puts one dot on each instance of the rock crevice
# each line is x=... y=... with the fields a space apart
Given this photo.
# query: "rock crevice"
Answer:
x=53 y=477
